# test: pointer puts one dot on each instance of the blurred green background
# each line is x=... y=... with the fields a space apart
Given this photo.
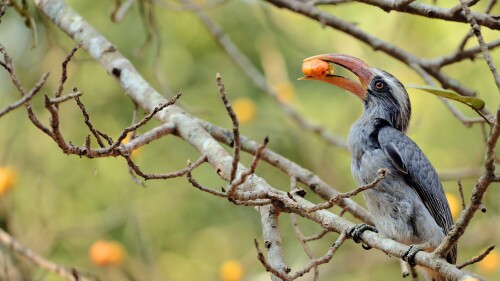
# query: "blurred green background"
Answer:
x=62 y=204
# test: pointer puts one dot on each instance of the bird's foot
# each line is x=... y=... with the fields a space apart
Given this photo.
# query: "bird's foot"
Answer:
x=356 y=232
x=409 y=256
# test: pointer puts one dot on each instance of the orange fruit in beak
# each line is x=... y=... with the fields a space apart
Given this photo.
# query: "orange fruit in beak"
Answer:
x=317 y=68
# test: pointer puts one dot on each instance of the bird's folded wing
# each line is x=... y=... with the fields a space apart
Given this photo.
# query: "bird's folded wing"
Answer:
x=419 y=173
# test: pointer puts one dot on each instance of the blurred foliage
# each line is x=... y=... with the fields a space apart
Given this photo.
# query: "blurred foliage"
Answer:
x=170 y=231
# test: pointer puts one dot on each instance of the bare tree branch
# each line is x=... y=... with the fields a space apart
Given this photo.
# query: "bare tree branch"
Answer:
x=272 y=241
x=382 y=173
x=21 y=101
x=430 y=11
x=477 y=193
x=14 y=245
x=482 y=44
x=236 y=131
x=291 y=168
x=477 y=258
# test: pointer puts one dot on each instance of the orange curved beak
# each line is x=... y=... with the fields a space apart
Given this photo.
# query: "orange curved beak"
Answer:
x=355 y=65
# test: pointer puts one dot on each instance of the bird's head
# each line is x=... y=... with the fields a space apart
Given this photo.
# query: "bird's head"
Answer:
x=382 y=94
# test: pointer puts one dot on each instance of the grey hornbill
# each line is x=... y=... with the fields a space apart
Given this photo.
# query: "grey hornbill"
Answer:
x=409 y=205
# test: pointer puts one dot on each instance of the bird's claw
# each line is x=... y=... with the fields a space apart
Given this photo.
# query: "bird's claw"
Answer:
x=409 y=256
x=356 y=232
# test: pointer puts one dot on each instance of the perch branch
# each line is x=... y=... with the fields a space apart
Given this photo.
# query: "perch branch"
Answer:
x=291 y=168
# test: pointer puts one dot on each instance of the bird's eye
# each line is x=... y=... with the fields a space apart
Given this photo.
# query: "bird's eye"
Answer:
x=380 y=85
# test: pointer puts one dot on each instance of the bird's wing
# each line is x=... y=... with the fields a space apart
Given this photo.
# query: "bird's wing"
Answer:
x=419 y=173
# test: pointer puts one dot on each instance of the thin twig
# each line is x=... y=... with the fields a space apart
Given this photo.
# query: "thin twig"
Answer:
x=144 y=120
x=461 y=192
x=316 y=236
x=64 y=72
x=64 y=98
x=324 y=259
x=194 y=183
x=476 y=29
x=170 y=175
x=54 y=123
x=382 y=173
x=459 y=54
x=67 y=273
x=312 y=264
x=477 y=258
x=236 y=131
x=19 y=102
x=135 y=115
x=303 y=243
x=268 y=267
x=86 y=119
x=231 y=190
x=8 y=65
x=458 y=8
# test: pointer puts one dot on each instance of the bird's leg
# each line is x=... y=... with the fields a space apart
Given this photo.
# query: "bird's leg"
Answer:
x=356 y=232
x=409 y=256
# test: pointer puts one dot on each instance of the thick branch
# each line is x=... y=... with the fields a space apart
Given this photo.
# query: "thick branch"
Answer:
x=272 y=240
x=291 y=168
x=430 y=11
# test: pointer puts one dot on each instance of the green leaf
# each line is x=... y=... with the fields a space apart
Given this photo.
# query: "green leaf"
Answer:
x=474 y=103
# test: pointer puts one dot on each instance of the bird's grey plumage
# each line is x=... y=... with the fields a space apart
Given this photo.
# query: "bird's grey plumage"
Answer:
x=409 y=205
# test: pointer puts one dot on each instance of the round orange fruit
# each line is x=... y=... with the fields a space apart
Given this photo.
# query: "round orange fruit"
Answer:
x=231 y=270
x=107 y=253
x=245 y=109
x=8 y=178
x=317 y=68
